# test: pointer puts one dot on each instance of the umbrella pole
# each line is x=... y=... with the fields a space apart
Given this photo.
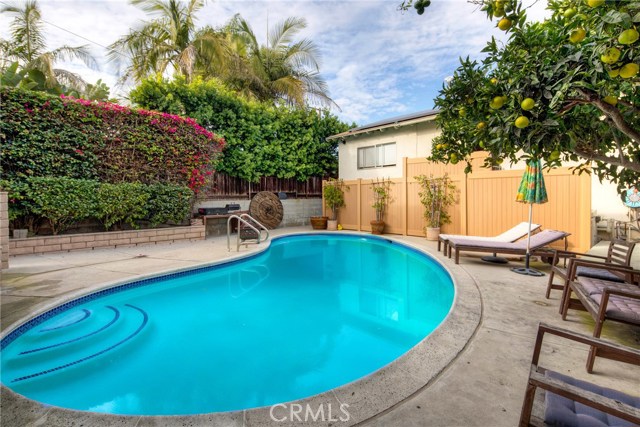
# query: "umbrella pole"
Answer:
x=526 y=270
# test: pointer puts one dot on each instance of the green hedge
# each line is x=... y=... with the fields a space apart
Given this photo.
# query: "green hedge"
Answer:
x=64 y=201
x=44 y=135
x=262 y=140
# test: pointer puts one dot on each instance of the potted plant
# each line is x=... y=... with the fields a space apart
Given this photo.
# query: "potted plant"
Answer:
x=381 y=193
x=436 y=195
x=333 y=193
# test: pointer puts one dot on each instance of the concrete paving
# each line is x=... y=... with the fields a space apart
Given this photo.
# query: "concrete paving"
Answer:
x=482 y=385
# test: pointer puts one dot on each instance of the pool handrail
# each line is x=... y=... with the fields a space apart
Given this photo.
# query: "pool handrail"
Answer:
x=249 y=219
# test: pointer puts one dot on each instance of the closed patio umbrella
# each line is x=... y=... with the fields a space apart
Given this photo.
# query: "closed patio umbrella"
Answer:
x=531 y=190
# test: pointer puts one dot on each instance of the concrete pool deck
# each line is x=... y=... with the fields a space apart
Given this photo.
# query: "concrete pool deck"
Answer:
x=479 y=382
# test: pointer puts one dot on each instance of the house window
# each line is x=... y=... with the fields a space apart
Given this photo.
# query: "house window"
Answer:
x=377 y=156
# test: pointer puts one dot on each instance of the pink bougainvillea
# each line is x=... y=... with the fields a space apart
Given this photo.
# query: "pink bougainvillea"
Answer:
x=164 y=147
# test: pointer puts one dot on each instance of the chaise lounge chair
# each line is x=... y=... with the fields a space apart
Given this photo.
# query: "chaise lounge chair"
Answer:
x=574 y=403
x=537 y=242
x=511 y=235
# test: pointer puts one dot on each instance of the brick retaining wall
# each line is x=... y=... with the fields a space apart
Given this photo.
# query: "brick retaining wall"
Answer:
x=112 y=239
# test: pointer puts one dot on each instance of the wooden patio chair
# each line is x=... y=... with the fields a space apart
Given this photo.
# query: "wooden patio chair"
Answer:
x=538 y=242
x=574 y=403
x=619 y=254
x=604 y=300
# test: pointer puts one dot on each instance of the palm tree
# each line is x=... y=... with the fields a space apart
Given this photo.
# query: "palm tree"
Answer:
x=282 y=70
x=27 y=47
x=168 y=42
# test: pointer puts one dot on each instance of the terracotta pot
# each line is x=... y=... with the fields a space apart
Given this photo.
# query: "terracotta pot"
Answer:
x=433 y=233
x=319 y=222
x=377 y=227
x=332 y=224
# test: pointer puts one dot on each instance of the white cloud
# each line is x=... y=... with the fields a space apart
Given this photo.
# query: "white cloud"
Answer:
x=377 y=61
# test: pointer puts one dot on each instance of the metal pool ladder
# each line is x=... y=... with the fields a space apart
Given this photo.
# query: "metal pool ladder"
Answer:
x=250 y=231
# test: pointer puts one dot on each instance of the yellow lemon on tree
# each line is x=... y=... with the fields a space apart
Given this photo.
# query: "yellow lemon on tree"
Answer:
x=610 y=56
x=453 y=158
x=629 y=70
x=505 y=24
x=527 y=104
x=629 y=36
x=577 y=35
x=494 y=81
x=481 y=125
x=439 y=147
x=497 y=102
x=595 y=3
x=610 y=100
x=614 y=73
x=462 y=112
x=499 y=161
x=555 y=155
x=569 y=13
x=498 y=11
x=522 y=122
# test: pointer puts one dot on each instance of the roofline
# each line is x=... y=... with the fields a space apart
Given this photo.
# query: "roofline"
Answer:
x=396 y=122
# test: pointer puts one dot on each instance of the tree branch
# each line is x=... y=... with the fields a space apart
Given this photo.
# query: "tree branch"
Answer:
x=617 y=161
x=612 y=112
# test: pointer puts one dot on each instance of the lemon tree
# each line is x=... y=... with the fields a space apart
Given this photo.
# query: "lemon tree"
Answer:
x=567 y=88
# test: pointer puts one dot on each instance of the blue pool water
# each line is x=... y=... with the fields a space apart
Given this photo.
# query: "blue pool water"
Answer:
x=311 y=313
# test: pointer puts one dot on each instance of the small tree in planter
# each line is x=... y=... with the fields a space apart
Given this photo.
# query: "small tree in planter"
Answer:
x=333 y=193
x=436 y=195
x=381 y=193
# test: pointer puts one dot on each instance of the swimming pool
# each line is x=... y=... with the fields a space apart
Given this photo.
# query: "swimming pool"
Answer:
x=308 y=315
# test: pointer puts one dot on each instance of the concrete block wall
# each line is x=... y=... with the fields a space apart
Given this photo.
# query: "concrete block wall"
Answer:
x=113 y=239
x=4 y=230
x=296 y=211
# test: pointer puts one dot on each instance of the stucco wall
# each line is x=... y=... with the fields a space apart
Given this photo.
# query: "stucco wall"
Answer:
x=411 y=141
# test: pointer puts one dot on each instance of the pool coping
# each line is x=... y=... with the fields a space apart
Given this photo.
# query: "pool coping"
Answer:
x=347 y=405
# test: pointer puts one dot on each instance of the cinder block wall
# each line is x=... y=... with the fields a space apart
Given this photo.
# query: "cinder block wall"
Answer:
x=296 y=211
x=113 y=239
x=4 y=230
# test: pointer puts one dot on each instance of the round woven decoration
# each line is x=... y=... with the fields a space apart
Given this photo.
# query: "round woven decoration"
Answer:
x=266 y=207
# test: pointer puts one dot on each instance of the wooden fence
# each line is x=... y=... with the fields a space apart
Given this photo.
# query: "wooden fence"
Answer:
x=221 y=186
x=486 y=202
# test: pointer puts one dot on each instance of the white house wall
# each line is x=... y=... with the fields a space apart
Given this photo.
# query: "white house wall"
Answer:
x=411 y=141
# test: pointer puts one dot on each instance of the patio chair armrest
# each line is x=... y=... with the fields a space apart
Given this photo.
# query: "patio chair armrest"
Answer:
x=627 y=293
x=544 y=328
x=588 y=398
x=574 y=263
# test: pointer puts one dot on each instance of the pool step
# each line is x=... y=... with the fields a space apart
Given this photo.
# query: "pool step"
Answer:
x=59 y=355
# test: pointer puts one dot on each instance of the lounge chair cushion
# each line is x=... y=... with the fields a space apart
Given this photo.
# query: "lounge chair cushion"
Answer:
x=538 y=240
x=511 y=235
x=560 y=411
x=621 y=308
x=598 y=273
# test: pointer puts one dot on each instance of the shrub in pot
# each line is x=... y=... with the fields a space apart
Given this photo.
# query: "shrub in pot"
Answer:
x=381 y=193
x=333 y=194
x=436 y=195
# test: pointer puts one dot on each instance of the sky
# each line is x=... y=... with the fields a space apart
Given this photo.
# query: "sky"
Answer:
x=378 y=62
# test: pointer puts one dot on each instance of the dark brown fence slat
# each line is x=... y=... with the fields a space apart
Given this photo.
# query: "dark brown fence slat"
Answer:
x=221 y=186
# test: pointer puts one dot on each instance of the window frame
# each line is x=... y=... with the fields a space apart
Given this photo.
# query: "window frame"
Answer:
x=378 y=158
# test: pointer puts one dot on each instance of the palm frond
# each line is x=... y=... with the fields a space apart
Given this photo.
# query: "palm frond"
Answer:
x=282 y=34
